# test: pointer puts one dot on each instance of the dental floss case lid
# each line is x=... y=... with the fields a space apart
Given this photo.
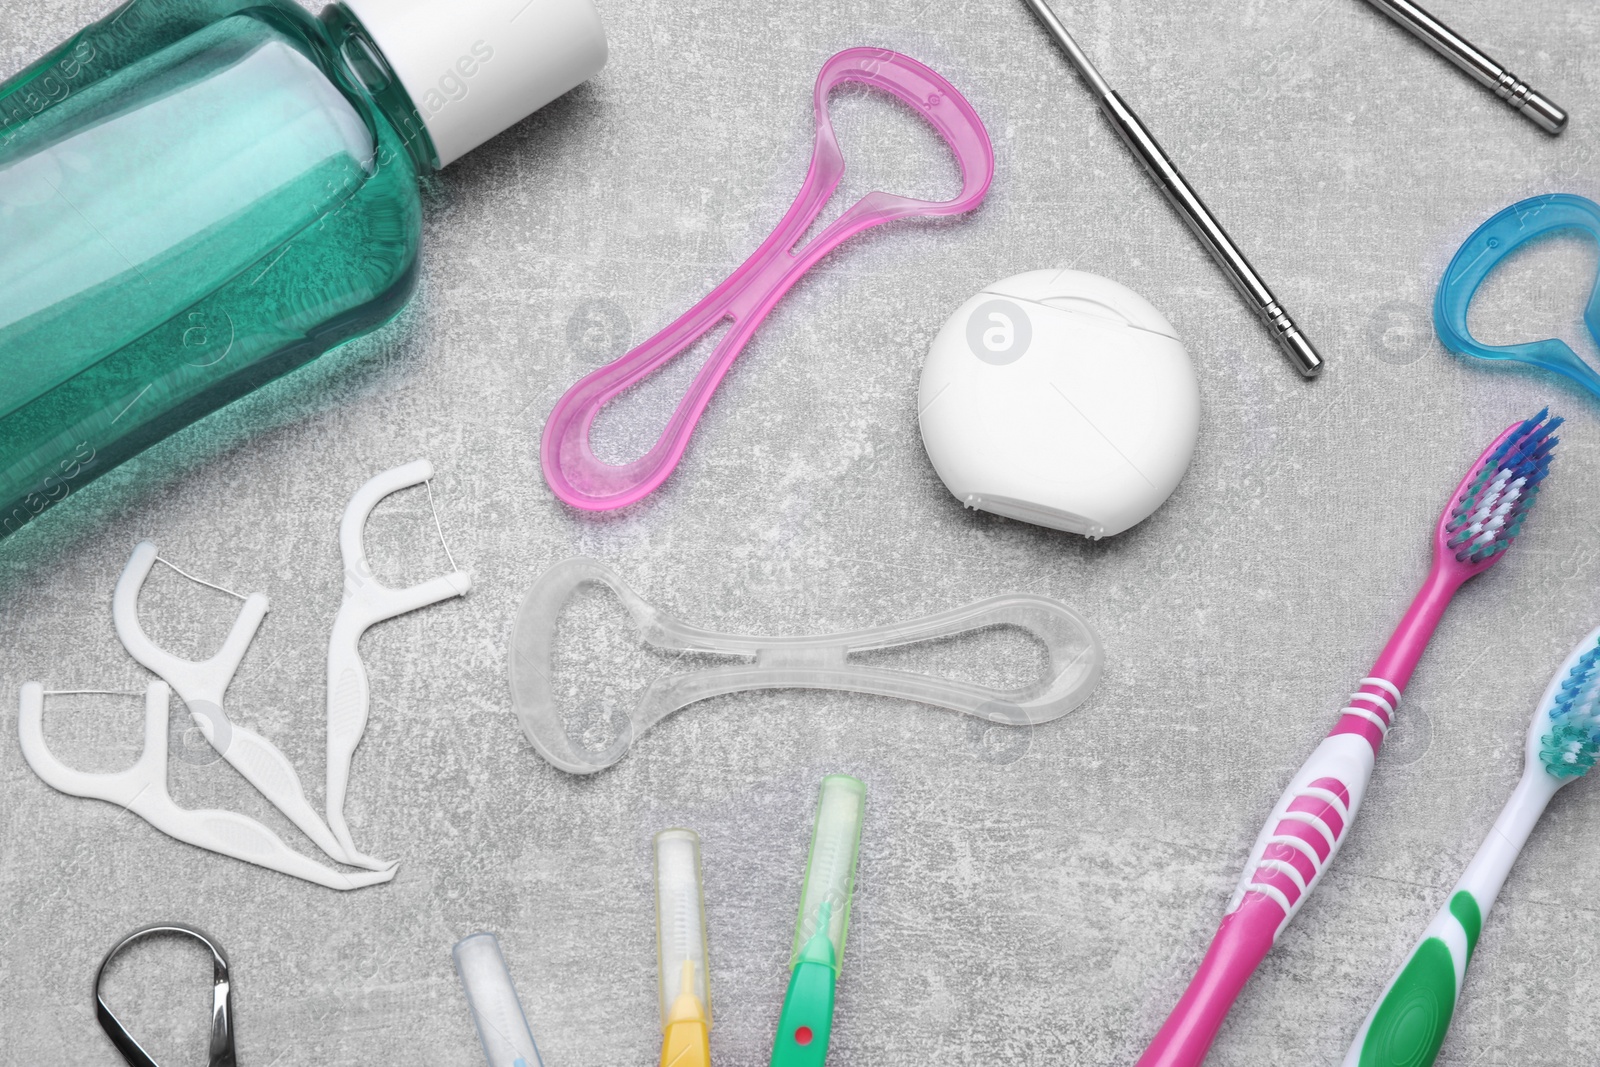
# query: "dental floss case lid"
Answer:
x=1062 y=399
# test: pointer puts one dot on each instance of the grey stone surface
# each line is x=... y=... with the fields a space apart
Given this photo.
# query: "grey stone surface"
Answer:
x=1036 y=902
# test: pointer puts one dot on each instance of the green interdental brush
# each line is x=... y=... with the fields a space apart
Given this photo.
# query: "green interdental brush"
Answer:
x=807 y=1019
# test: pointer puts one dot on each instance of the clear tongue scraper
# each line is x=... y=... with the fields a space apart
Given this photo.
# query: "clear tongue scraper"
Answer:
x=1071 y=645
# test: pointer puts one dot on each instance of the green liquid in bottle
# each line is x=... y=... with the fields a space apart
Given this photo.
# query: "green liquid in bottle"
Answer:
x=195 y=197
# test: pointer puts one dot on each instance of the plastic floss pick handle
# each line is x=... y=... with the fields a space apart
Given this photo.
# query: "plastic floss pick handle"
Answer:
x=1485 y=250
x=201 y=686
x=584 y=481
x=1072 y=646
x=142 y=789
x=496 y=1009
x=367 y=602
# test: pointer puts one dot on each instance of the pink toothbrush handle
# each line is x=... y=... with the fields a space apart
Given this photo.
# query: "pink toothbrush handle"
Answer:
x=1242 y=942
x=1297 y=844
x=583 y=480
x=1313 y=817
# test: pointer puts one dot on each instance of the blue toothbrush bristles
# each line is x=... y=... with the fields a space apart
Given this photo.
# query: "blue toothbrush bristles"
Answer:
x=1572 y=744
x=1490 y=513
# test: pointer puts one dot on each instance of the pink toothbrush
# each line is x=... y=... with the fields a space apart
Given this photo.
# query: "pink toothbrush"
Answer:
x=570 y=465
x=1313 y=817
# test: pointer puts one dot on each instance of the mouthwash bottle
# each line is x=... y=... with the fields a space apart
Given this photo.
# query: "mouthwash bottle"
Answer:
x=197 y=196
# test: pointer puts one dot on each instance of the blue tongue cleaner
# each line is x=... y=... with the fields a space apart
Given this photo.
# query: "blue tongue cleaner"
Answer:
x=1489 y=245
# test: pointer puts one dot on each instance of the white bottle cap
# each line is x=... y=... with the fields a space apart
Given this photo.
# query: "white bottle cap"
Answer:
x=476 y=67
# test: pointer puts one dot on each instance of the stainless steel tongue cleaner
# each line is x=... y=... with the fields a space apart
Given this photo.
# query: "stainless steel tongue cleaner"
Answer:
x=1072 y=646
x=1142 y=143
x=220 y=1052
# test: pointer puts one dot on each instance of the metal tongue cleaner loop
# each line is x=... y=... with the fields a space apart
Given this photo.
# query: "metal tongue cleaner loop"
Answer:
x=221 y=1052
x=1485 y=250
x=1073 y=648
x=570 y=466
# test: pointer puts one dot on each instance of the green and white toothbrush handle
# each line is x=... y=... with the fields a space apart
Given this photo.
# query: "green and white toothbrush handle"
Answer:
x=1407 y=1025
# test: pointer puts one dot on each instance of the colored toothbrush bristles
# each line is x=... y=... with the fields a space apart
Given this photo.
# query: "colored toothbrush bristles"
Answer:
x=1489 y=515
x=1571 y=746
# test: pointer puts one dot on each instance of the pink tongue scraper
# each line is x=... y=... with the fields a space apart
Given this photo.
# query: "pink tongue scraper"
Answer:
x=1313 y=817
x=744 y=299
